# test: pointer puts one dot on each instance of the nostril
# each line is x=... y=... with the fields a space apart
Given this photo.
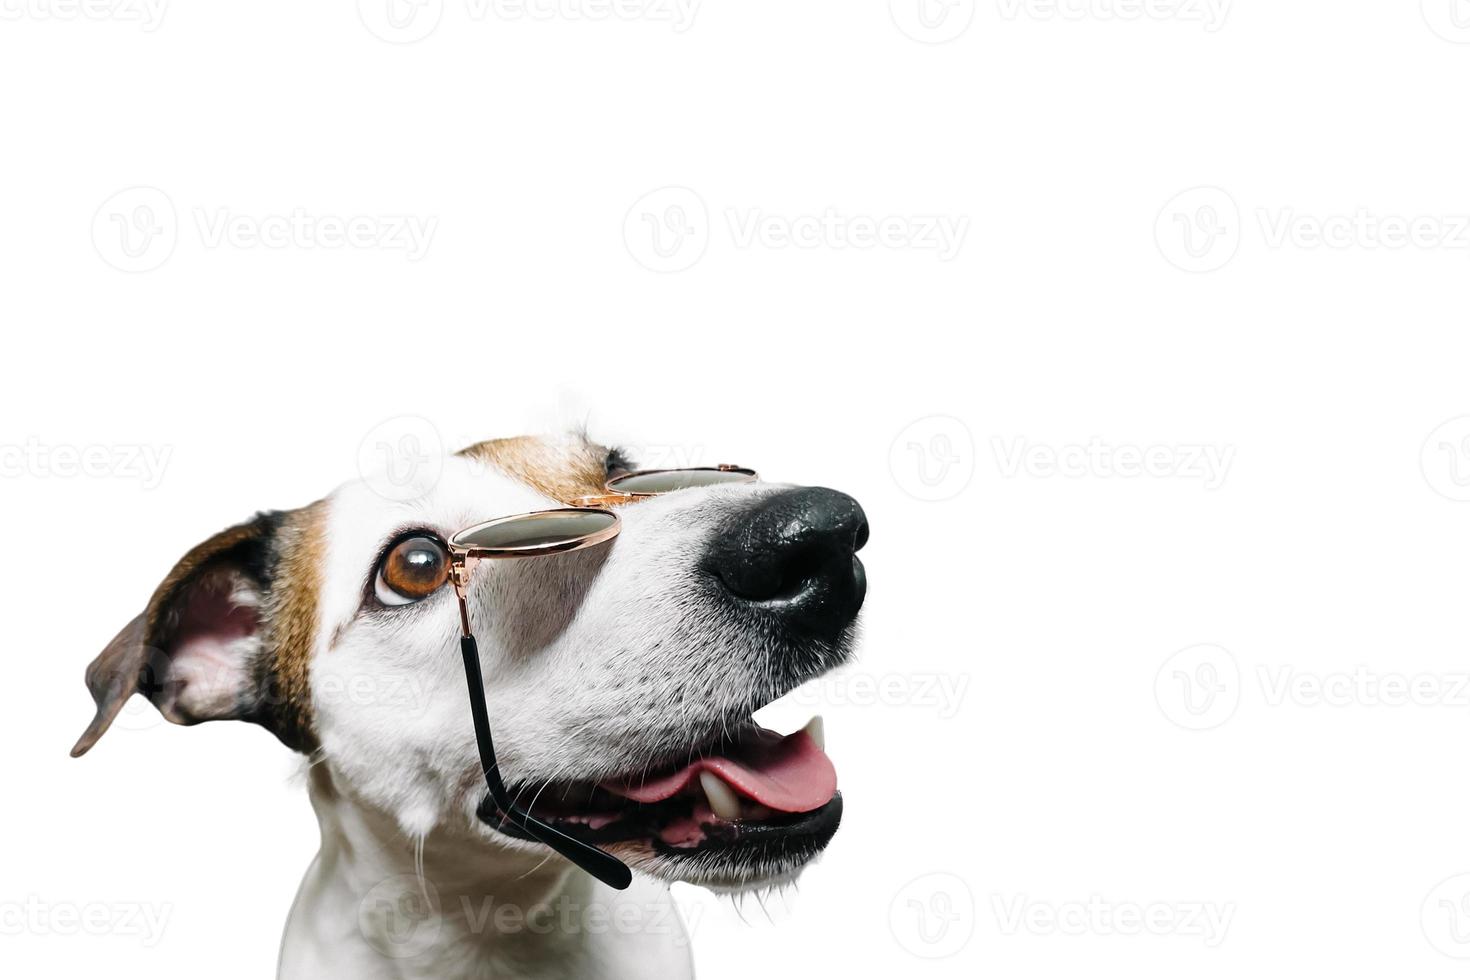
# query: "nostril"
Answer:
x=861 y=537
x=747 y=579
x=799 y=571
x=766 y=580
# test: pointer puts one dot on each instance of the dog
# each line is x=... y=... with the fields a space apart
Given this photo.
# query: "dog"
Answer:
x=620 y=679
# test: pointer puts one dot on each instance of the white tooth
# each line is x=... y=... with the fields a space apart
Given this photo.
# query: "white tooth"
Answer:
x=817 y=731
x=722 y=798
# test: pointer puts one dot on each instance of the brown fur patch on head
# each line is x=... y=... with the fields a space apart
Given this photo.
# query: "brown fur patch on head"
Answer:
x=291 y=622
x=562 y=470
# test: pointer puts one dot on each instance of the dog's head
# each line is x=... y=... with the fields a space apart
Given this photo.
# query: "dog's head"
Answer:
x=620 y=678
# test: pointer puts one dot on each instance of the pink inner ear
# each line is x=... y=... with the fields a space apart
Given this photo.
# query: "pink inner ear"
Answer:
x=212 y=608
x=209 y=660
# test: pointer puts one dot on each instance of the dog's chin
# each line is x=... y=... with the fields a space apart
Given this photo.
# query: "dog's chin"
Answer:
x=753 y=855
x=745 y=812
x=747 y=856
x=732 y=856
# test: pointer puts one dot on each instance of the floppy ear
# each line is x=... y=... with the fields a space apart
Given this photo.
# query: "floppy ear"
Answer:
x=195 y=652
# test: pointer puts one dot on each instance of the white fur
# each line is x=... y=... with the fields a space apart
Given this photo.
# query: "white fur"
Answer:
x=596 y=662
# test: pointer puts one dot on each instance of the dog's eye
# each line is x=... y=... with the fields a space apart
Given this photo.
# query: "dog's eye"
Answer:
x=414 y=569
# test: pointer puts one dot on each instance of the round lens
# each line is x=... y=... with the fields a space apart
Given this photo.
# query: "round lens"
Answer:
x=554 y=529
x=664 y=481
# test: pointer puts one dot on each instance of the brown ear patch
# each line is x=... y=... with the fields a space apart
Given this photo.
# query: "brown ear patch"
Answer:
x=113 y=678
x=292 y=619
x=193 y=652
x=139 y=651
x=561 y=471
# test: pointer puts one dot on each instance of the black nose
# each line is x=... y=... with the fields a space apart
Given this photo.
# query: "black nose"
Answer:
x=794 y=554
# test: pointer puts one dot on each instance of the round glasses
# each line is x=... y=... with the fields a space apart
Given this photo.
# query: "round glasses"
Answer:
x=588 y=521
x=551 y=532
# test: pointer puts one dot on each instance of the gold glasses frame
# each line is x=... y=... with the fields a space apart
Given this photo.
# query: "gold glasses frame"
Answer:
x=466 y=553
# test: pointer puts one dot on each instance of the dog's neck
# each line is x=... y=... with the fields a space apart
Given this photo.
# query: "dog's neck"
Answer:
x=374 y=905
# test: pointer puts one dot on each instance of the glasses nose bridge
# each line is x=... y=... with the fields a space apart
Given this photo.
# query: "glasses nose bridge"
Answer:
x=642 y=484
x=612 y=498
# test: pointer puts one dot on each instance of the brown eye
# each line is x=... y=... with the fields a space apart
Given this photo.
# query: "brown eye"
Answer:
x=413 y=569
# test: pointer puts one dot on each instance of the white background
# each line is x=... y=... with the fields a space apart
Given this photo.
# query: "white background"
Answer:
x=1139 y=190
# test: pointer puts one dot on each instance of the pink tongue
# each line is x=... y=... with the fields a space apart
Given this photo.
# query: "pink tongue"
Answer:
x=789 y=774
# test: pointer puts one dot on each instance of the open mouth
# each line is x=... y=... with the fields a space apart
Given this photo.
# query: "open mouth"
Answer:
x=761 y=793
